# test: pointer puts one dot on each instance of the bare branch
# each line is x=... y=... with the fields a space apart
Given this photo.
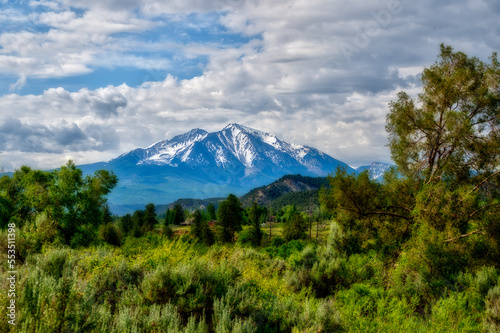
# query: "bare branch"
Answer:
x=480 y=231
x=484 y=181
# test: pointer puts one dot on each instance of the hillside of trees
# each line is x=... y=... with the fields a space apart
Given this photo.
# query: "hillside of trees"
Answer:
x=416 y=252
x=265 y=195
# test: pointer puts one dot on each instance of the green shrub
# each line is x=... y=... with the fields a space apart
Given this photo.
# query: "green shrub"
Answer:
x=491 y=321
x=110 y=233
x=455 y=314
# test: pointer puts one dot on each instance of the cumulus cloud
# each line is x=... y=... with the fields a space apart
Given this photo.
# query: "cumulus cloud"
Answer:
x=59 y=138
x=320 y=73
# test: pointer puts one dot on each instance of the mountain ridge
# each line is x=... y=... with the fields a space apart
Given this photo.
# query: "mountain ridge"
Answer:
x=201 y=164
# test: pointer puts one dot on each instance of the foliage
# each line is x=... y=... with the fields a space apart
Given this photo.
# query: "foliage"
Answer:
x=492 y=314
x=63 y=199
x=176 y=215
x=295 y=228
x=454 y=134
x=212 y=214
x=168 y=286
x=150 y=217
x=256 y=216
x=301 y=199
x=126 y=224
x=110 y=234
x=230 y=218
x=201 y=230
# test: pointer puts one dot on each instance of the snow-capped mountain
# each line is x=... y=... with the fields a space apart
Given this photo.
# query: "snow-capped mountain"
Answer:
x=199 y=164
x=235 y=149
x=376 y=170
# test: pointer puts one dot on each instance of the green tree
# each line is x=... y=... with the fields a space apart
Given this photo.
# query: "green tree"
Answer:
x=452 y=132
x=447 y=149
x=255 y=215
x=167 y=230
x=196 y=225
x=107 y=217
x=26 y=194
x=5 y=212
x=110 y=233
x=230 y=217
x=212 y=215
x=200 y=229
x=372 y=215
x=76 y=202
x=63 y=198
x=288 y=212
x=449 y=142
x=295 y=228
x=207 y=234
x=126 y=224
x=177 y=215
x=137 y=223
x=150 y=217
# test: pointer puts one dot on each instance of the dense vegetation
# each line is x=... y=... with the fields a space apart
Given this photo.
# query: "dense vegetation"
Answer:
x=417 y=252
x=272 y=195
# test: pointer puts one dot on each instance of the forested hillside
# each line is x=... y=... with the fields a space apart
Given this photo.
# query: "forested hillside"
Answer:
x=265 y=195
x=416 y=252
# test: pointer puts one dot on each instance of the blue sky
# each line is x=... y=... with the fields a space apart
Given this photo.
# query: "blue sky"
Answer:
x=152 y=52
x=89 y=80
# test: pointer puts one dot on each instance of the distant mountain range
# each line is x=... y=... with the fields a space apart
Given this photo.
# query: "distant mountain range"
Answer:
x=199 y=164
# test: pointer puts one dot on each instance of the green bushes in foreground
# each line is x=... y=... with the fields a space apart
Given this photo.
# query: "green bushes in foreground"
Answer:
x=160 y=286
x=153 y=284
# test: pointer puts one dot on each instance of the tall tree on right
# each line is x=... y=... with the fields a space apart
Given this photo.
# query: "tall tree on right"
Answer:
x=452 y=131
x=449 y=143
x=442 y=207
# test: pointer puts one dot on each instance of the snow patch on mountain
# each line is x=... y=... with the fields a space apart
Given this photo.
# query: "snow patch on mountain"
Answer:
x=376 y=170
x=236 y=147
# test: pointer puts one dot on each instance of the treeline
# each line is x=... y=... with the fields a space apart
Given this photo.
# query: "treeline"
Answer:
x=60 y=206
x=223 y=224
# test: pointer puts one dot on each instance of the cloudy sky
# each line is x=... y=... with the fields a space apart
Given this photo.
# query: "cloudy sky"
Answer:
x=91 y=79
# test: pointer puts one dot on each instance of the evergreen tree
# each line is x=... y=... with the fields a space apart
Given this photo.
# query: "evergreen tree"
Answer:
x=167 y=230
x=109 y=233
x=177 y=215
x=126 y=224
x=200 y=229
x=196 y=225
x=212 y=215
x=150 y=217
x=207 y=235
x=230 y=217
x=295 y=228
x=168 y=217
x=255 y=215
x=138 y=222
x=106 y=216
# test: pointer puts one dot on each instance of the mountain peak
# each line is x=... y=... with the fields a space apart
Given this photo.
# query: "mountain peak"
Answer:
x=237 y=150
x=235 y=126
x=231 y=125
